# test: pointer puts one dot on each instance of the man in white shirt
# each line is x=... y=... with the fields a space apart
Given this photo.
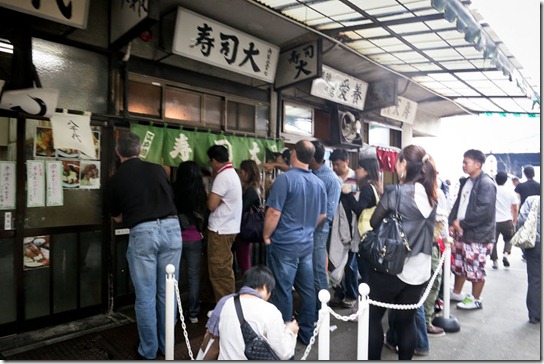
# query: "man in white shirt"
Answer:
x=225 y=205
x=506 y=216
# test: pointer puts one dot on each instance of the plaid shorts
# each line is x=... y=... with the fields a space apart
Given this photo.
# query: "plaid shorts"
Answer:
x=469 y=259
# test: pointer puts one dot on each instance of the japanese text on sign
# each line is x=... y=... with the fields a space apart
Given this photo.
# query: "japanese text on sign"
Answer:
x=7 y=185
x=404 y=111
x=340 y=88
x=298 y=64
x=205 y=40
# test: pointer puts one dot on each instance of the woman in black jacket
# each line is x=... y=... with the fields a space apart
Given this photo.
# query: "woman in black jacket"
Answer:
x=417 y=208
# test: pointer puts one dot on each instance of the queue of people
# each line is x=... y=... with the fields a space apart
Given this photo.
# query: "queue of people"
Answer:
x=312 y=229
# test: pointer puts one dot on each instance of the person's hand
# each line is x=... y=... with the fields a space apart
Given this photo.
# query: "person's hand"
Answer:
x=346 y=189
x=266 y=241
x=293 y=326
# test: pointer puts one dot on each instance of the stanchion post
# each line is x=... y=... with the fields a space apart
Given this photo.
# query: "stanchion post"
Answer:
x=447 y=322
x=170 y=308
x=324 y=334
x=362 y=322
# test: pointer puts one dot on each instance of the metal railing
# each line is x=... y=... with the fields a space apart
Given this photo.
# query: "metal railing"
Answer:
x=322 y=327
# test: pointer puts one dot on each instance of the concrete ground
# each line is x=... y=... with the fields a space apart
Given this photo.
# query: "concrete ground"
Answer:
x=499 y=331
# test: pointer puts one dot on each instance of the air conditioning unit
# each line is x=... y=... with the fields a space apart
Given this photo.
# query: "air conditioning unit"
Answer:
x=346 y=127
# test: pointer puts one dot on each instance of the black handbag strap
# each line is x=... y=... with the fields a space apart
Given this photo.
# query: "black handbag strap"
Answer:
x=397 y=196
x=243 y=323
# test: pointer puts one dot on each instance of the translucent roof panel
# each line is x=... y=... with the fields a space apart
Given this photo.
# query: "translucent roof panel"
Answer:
x=412 y=38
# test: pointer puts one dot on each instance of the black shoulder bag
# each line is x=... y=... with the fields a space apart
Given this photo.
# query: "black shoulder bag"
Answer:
x=387 y=249
x=257 y=348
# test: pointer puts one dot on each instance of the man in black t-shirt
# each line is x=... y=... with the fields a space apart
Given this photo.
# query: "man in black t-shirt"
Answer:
x=528 y=188
x=140 y=198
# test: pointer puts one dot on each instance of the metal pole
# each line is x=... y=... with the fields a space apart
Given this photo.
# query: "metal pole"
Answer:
x=446 y=277
x=170 y=308
x=362 y=322
x=324 y=335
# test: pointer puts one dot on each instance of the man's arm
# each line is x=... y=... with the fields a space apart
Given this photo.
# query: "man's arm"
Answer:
x=321 y=218
x=271 y=220
x=515 y=213
x=214 y=200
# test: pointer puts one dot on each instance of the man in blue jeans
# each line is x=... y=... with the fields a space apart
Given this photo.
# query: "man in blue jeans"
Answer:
x=296 y=205
x=141 y=198
x=321 y=233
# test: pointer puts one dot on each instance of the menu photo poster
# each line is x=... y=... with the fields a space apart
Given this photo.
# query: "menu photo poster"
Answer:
x=35 y=183
x=54 y=173
x=70 y=173
x=43 y=142
x=89 y=174
x=36 y=251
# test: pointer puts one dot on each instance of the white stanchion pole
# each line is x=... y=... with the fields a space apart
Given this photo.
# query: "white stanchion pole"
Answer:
x=169 y=313
x=324 y=335
x=447 y=322
x=362 y=322
x=446 y=277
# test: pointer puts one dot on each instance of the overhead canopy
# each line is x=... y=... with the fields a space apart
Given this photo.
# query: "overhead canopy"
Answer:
x=437 y=43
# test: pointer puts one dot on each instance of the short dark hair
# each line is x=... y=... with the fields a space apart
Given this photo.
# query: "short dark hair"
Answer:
x=258 y=276
x=128 y=144
x=529 y=171
x=319 y=151
x=305 y=151
x=501 y=178
x=339 y=154
x=218 y=152
x=476 y=155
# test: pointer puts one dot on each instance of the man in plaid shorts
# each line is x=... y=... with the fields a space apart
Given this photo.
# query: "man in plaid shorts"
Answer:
x=472 y=226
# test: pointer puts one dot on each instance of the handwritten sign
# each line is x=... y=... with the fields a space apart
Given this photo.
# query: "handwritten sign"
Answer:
x=404 y=111
x=55 y=195
x=208 y=41
x=299 y=64
x=73 y=132
x=35 y=183
x=7 y=185
x=340 y=88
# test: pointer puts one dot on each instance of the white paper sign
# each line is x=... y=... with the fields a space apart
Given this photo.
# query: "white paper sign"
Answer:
x=405 y=110
x=208 y=41
x=73 y=13
x=34 y=101
x=7 y=185
x=55 y=194
x=340 y=88
x=36 y=183
x=73 y=132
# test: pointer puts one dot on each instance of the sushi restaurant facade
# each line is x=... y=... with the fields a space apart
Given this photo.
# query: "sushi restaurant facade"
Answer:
x=61 y=257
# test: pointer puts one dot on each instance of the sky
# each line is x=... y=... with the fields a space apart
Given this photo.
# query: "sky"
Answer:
x=517 y=24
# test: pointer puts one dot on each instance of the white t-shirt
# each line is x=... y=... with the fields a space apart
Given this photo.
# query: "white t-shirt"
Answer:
x=227 y=216
x=264 y=318
x=506 y=197
x=465 y=196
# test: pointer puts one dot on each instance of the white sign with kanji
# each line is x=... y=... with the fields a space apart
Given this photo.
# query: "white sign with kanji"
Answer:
x=73 y=132
x=208 y=41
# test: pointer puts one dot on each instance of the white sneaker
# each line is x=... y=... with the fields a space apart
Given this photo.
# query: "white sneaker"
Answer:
x=470 y=303
x=457 y=297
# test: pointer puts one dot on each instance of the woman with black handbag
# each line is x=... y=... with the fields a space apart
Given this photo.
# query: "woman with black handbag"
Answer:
x=369 y=181
x=416 y=201
x=251 y=203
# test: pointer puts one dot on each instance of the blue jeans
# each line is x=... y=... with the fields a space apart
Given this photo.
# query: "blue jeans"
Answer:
x=294 y=272
x=422 y=340
x=192 y=253
x=152 y=246
x=319 y=261
x=350 y=286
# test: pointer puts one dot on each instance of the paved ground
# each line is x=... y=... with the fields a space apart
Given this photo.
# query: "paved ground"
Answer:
x=500 y=331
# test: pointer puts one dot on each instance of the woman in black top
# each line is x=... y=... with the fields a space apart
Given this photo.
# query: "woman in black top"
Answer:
x=251 y=198
x=191 y=201
x=368 y=179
